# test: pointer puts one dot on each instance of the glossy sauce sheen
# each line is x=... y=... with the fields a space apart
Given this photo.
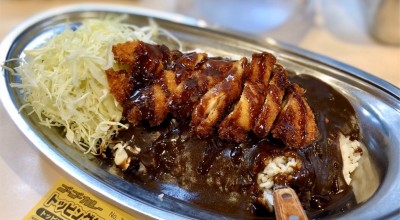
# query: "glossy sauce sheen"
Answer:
x=221 y=176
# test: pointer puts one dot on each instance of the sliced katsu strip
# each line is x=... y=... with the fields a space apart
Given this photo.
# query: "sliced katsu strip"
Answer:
x=147 y=104
x=240 y=121
x=120 y=83
x=261 y=67
x=212 y=106
x=216 y=96
x=273 y=102
x=295 y=125
x=138 y=64
x=182 y=68
x=147 y=60
x=151 y=102
x=189 y=91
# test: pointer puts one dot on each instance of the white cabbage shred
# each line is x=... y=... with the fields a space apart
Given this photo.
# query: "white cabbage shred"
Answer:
x=64 y=80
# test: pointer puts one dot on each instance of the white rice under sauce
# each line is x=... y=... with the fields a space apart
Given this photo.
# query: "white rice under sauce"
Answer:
x=351 y=152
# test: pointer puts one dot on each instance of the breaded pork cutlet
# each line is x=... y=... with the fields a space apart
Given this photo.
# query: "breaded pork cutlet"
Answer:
x=240 y=121
x=215 y=96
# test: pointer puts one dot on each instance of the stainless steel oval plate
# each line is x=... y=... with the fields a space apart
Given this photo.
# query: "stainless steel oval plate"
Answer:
x=377 y=104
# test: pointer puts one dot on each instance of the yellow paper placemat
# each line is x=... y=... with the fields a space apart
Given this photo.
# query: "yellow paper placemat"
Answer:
x=66 y=201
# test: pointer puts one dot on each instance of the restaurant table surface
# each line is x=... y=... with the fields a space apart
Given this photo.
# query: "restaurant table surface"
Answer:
x=26 y=174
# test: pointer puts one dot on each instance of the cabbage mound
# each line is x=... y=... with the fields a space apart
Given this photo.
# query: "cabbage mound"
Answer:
x=65 y=84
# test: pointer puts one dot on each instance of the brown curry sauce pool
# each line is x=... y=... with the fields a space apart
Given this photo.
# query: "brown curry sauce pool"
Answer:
x=221 y=177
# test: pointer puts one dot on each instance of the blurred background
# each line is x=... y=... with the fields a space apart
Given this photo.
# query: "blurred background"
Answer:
x=361 y=33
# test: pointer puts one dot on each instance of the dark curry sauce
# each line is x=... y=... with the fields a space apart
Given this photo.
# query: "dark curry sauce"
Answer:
x=221 y=176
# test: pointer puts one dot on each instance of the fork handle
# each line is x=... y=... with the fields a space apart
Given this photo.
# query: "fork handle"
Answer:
x=287 y=205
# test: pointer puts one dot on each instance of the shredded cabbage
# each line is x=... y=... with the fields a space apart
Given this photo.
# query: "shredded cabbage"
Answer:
x=64 y=80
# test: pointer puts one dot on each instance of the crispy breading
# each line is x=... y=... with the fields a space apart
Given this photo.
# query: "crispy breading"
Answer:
x=261 y=67
x=188 y=93
x=273 y=101
x=128 y=52
x=120 y=84
x=216 y=101
x=296 y=125
x=151 y=103
x=212 y=94
x=241 y=119
x=146 y=60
